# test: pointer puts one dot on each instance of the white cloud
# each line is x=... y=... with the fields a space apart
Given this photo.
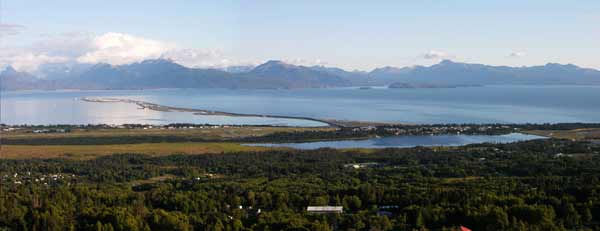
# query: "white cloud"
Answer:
x=28 y=61
x=435 y=54
x=112 y=48
x=199 y=58
x=117 y=49
x=10 y=29
x=517 y=54
x=48 y=49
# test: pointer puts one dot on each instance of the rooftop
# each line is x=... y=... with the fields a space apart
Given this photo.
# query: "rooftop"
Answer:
x=324 y=209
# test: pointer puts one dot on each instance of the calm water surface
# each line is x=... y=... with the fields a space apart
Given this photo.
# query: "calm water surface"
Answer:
x=407 y=141
x=489 y=104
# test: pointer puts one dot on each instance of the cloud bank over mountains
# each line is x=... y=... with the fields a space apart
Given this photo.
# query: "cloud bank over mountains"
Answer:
x=120 y=49
x=111 y=48
x=117 y=49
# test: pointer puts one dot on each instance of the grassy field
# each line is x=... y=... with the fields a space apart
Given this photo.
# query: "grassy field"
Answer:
x=207 y=133
x=93 y=151
x=576 y=134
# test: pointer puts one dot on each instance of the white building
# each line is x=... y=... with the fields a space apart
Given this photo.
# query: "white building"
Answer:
x=324 y=209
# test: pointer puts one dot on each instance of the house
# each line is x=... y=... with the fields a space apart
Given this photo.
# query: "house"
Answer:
x=385 y=213
x=362 y=165
x=324 y=209
x=559 y=155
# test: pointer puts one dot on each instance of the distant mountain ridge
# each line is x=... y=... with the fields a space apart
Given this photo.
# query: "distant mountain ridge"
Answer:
x=448 y=72
x=13 y=79
x=162 y=73
x=277 y=74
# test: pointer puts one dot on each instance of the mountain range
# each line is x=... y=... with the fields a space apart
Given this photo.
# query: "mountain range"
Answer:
x=162 y=73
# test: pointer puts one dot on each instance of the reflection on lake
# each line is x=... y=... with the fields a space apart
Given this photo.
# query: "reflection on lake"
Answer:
x=407 y=141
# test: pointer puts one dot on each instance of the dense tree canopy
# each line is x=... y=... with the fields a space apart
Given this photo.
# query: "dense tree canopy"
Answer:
x=521 y=186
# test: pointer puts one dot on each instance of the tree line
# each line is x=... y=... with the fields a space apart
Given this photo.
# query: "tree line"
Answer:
x=520 y=186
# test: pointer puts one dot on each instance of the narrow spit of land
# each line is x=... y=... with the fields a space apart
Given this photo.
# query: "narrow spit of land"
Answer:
x=158 y=107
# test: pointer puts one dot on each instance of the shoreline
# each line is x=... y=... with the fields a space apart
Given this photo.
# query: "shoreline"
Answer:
x=163 y=108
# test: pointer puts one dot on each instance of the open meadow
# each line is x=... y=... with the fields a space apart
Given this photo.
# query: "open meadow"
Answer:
x=93 y=151
x=118 y=143
x=591 y=134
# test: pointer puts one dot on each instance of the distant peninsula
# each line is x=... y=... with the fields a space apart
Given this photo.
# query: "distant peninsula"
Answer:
x=426 y=85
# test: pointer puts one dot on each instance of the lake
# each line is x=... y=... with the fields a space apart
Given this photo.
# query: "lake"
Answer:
x=488 y=104
x=407 y=141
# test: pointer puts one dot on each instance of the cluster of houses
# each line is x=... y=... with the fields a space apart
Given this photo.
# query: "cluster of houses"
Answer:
x=328 y=209
x=56 y=130
x=169 y=127
x=249 y=209
x=43 y=130
x=384 y=210
x=363 y=165
x=45 y=179
x=10 y=129
x=433 y=130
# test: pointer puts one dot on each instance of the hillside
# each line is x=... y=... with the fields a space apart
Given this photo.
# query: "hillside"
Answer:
x=162 y=73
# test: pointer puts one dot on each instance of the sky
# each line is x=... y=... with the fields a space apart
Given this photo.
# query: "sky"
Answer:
x=354 y=35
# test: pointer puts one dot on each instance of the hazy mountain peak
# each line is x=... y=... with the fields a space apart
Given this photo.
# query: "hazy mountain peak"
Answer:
x=154 y=66
x=101 y=66
x=13 y=79
x=273 y=61
x=558 y=65
x=447 y=62
x=387 y=69
x=61 y=70
x=8 y=70
x=273 y=65
x=157 y=61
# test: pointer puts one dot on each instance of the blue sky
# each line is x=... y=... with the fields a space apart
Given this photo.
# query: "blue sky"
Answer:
x=349 y=34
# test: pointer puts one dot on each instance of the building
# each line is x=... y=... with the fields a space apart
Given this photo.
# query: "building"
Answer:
x=363 y=165
x=324 y=209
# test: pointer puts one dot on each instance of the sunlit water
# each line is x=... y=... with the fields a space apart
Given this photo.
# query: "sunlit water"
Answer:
x=490 y=104
x=407 y=141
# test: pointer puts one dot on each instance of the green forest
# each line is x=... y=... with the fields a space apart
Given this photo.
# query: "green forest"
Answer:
x=536 y=185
